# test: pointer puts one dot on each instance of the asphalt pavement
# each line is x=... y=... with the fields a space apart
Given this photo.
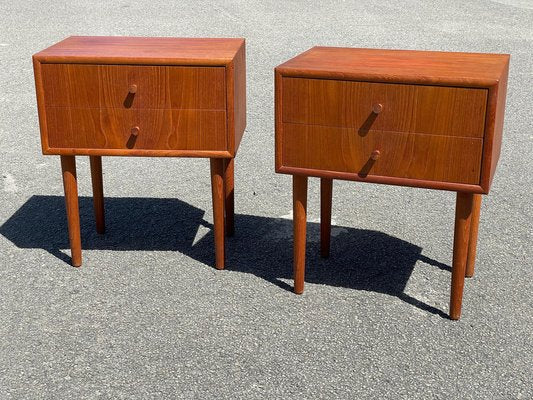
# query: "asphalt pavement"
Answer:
x=148 y=317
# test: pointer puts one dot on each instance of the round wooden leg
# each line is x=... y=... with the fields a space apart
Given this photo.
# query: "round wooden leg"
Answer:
x=463 y=211
x=299 y=192
x=217 y=190
x=70 y=185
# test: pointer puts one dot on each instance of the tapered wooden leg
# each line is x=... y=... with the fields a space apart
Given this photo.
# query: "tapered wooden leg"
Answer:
x=326 y=192
x=299 y=204
x=229 y=183
x=472 y=241
x=217 y=190
x=98 y=192
x=70 y=185
x=463 y=212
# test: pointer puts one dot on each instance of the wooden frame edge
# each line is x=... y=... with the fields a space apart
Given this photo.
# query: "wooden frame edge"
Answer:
x=408 y=80
x=137 y=152
x=278 y=118
x=230 y=106
x=451 y=186
x=41 y=110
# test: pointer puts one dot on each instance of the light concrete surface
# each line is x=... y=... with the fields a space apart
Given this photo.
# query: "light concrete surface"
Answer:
x=147 y=316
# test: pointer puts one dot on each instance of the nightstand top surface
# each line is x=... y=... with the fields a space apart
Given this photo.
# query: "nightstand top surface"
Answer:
x=401 y=66
x=142 y=50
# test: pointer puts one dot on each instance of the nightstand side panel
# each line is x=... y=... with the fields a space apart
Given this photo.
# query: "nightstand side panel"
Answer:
x=494 y=129
x=240 y=95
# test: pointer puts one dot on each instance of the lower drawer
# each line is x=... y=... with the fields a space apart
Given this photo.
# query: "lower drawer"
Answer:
x=158 y=129
x=402 y=155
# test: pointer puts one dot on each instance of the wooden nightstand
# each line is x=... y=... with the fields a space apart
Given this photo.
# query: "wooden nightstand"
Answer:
x=125 y=96
x=413 y=118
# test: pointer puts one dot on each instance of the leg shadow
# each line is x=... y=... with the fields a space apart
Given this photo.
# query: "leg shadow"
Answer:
x=132 y=223
x=361 y=259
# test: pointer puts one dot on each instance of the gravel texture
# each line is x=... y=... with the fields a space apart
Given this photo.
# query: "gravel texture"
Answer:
x=147 y=316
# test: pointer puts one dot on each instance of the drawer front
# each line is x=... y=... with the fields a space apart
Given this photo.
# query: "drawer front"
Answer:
x=107 y=86
x=95 y=128
x=435 y=110
x=402 y=155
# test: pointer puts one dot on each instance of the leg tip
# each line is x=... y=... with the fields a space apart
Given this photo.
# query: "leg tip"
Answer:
x=76 y=260
x=454 y=315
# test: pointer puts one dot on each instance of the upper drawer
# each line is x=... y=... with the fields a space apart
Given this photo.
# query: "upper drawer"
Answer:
x=435 y=110
x=108 y=86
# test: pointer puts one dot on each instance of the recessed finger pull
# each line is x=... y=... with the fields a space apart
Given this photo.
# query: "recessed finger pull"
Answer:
x=375 y=155
x=135 y=131
x=132 y=89
x=377 y=108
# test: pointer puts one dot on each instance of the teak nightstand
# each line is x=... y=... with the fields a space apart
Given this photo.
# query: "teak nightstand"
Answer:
x=413 y=118
x=125 y=96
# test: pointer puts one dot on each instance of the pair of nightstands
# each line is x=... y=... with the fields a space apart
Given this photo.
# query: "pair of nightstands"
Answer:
x=423 y=119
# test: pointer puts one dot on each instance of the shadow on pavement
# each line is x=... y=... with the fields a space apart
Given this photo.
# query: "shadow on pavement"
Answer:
x=360 y=259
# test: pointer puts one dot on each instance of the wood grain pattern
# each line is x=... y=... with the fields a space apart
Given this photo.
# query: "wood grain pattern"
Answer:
x=217 y=191
x=141 y=50
x=240 y=95
x=471 y=71
x=167 y=73
x=66 y=151
x=388 y=180
x=95 y=128
x=299 y=206
x=399 y=66
x=41 y=109
x=326 y=193
x=494 y=128
x=98 y=192
x=156 y=97
x=403 y=155
x=411 y=118
x=472 y=239
x=463 y=212
x=405 y=108
x=70 y=185
x=107 y=86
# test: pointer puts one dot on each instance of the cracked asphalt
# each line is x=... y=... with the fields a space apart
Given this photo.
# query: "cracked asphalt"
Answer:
x=148 y=317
